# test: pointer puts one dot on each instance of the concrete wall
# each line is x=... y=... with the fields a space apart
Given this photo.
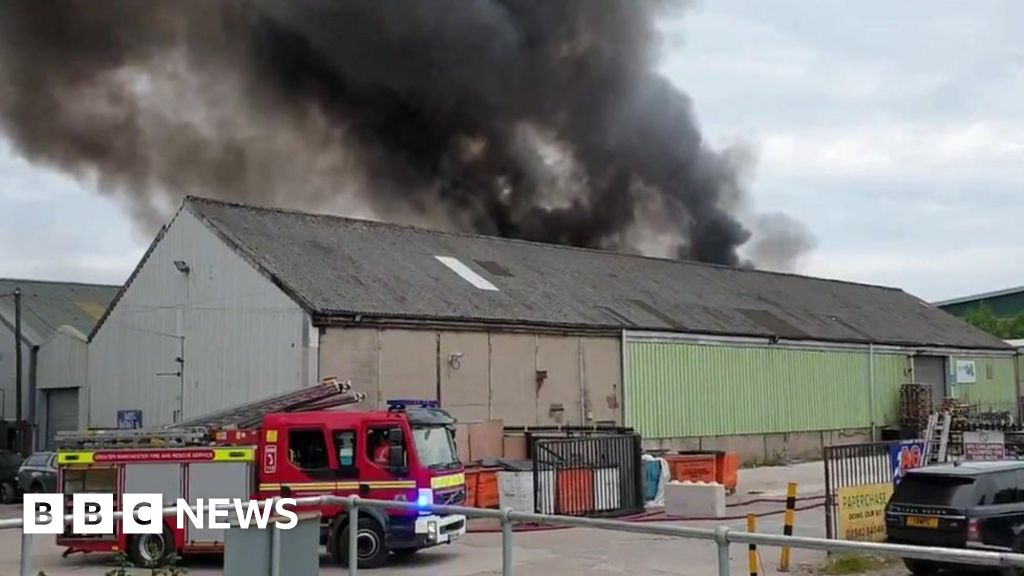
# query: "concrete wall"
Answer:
x=195 y=342
x=481 y=375
x=767 y=448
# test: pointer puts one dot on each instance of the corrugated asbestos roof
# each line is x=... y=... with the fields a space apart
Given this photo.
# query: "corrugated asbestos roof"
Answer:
x=46 y=306
x=337 y=266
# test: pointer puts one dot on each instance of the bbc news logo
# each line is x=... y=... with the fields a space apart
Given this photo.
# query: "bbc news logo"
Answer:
x=93 y=513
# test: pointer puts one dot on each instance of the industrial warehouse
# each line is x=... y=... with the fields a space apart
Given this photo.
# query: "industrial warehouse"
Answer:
x=603 y=288
x=54 y=322
x=233 y=303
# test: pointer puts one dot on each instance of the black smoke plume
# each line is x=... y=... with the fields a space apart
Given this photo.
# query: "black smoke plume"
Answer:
x=535 y=119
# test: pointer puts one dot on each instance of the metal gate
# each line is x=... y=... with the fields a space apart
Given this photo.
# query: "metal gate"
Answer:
x=587 y=473
x=853 y=465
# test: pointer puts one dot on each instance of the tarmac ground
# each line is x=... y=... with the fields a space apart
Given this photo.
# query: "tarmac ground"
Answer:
x=557 y=552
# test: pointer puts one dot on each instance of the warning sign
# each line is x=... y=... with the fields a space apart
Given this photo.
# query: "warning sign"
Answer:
x=861 y=514
x=984 y=445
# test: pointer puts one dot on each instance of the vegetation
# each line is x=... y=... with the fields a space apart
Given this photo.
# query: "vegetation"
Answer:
x=124 y=568
x=1005 y=328
x=854 y=564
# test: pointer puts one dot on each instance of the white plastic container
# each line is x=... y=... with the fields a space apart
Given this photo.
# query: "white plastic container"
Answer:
x=516 y=491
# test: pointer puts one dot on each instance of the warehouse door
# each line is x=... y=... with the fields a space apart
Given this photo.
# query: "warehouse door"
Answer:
x=932 y=370
x=61 y=412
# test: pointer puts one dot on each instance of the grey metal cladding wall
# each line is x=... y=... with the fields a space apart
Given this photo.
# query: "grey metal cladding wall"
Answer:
x=244 y=339
x=63 y=362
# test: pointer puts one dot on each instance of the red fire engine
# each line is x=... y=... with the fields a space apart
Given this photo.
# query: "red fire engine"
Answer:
x=291 y=445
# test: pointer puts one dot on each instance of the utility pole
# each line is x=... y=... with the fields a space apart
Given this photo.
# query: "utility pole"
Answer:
x=17 y=357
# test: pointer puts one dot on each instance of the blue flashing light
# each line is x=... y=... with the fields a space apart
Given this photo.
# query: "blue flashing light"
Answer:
x=425 y=498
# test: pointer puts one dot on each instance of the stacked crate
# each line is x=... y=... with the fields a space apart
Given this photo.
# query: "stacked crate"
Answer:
x=915 y=406
x=958 y=412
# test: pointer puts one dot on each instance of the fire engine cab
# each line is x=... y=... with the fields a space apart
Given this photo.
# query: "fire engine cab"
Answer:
x=293 y=445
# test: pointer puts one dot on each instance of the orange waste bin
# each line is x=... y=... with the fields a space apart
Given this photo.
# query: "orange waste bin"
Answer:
x=487 y=495
x=575 y=492
x=471 y=480
x=728 y=470
x=693 y=467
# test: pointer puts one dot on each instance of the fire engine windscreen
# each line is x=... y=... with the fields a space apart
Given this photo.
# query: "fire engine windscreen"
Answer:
x=435 y=447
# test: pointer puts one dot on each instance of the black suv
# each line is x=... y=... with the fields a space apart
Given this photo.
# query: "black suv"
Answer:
x=39 y=473
x=968 y=505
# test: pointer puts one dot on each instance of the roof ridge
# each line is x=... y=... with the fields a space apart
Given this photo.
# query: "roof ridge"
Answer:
x=980 y=296
x=60 y=282
x=422 y=230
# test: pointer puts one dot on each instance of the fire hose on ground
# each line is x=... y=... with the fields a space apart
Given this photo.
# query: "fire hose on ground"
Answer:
x=658 y=516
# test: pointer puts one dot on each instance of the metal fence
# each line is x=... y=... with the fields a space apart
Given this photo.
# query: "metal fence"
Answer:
x=722 y=536
x=598 y=474
x=853 y=465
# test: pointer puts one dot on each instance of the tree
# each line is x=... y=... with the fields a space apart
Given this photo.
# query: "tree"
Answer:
x=1015 y=327
x=984 y=318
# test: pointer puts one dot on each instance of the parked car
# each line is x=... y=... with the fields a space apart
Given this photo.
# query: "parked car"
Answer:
x=10 y=462
x=967 y=505
x=39 y=473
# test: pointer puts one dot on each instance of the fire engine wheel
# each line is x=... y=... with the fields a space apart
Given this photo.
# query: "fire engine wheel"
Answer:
x=372 y=550
x=151 y=550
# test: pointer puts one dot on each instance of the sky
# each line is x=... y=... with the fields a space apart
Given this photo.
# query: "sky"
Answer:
x=893 y=130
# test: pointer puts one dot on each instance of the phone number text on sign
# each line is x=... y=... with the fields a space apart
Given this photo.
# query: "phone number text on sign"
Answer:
x=861 y=514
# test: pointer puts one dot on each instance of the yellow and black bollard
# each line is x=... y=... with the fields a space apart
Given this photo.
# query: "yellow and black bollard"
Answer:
x=787 y=528
x=752 y=549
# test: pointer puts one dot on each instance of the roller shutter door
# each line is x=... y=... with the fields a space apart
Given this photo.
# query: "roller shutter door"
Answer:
x=61 y=412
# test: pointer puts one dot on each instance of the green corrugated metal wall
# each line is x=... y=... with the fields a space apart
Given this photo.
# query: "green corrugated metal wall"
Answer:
x=678 y=390
x=1020 y=374
x=996 y=386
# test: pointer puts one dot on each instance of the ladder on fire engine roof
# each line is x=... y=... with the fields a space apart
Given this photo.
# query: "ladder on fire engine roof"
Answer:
x=330 y=393
x=936 y=439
